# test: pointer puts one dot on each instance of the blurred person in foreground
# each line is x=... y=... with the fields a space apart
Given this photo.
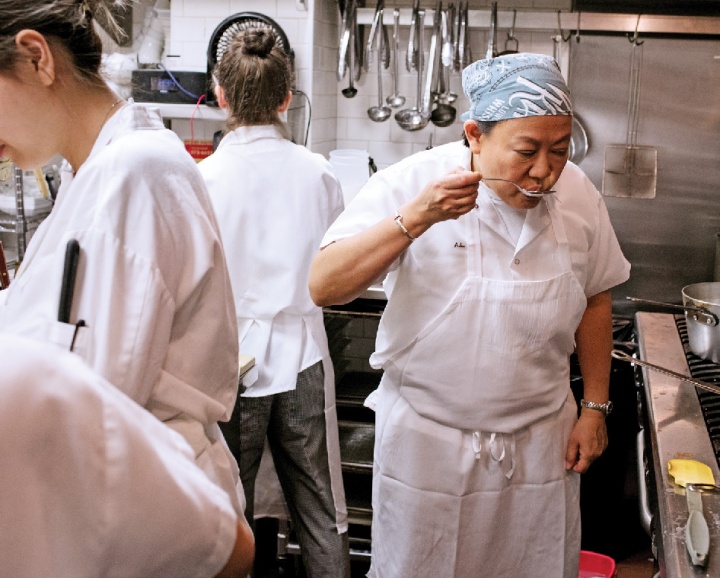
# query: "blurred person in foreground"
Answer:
x=92 y=485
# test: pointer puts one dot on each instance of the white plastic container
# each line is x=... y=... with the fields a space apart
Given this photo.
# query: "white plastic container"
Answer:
x=352 y=168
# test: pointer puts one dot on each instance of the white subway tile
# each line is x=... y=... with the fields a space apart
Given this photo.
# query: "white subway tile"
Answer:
x=206 y=8
x=266 y=7
x=352 y=144
x=288 y=9
x=388 y=153
x=354 y=108
x=372 y=131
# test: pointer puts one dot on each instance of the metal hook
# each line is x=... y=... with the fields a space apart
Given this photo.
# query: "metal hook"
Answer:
x=577 y=29
x=511 y=39
x=559 y=29
x=511 y=33
x=634 y=38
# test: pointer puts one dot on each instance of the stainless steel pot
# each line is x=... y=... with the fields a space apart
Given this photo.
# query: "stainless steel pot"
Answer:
x=703 y=329
x=701 y=304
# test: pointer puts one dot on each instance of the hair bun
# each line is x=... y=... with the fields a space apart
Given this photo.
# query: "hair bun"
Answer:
x=258 y=42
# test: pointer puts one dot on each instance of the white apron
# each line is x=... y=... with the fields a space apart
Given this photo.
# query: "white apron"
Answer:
x=472 y=427
x=269 y=500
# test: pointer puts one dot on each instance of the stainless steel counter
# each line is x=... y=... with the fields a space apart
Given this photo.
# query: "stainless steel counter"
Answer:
x=677 y=430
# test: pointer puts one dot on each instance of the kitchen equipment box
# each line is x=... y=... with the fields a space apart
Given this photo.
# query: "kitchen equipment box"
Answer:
x=156 y=85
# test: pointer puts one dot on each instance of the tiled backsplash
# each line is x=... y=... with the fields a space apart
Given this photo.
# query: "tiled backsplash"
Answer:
x=337 y=122
x=386 y=142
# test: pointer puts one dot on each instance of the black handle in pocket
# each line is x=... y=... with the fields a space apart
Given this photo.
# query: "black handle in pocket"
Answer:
x=72 y=255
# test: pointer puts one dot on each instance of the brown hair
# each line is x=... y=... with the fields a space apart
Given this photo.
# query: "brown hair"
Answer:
x=256 y=75
x=67 y=25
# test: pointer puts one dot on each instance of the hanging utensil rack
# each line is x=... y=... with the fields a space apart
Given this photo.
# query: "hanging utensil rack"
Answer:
x=584 y=21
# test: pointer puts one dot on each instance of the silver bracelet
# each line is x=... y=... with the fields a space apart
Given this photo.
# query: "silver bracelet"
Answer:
x=398 y=222
x=604 y=408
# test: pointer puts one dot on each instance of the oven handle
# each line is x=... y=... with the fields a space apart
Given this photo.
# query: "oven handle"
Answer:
x=645 y=513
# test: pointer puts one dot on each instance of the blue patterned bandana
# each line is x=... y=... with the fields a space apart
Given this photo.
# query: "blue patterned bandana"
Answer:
x=515 y=86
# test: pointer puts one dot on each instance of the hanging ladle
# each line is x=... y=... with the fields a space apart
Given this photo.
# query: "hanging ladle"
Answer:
x=448 y=52
x=349 y=39
x=417 y=117
x=444 y=114
x=380 y=112
x=395 y=100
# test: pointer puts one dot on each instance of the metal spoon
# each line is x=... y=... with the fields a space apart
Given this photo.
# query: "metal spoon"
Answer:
x=416 y=118
x=617 y=354
x=531 y=194
x=380 y=112
x=395 y=100
x=444 y=114
x=448 y=51
x=412 y=57
x=351 y=91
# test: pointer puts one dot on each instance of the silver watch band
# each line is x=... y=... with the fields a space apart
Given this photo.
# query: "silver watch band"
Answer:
x=605 y=408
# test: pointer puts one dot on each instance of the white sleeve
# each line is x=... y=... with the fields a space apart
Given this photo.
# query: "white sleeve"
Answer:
x=97 y=486
x=607 y=266
x=374 y=202
x=168 y=518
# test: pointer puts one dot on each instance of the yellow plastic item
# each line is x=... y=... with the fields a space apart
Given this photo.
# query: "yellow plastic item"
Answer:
x=247 y=362
x=690 y=472
x=42 y=183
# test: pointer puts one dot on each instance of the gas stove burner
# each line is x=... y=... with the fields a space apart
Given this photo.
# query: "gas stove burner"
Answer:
x=622 y=329
x=699 y=368
x=706 y=371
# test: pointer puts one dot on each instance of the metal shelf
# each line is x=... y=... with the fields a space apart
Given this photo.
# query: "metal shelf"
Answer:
x=202 y=112
x=18 y=225
x=570 y=21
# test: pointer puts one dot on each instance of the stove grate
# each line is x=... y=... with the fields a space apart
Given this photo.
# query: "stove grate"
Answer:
x=706 y=371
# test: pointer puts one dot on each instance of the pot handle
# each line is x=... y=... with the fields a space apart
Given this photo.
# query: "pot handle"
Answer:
x=695 y=313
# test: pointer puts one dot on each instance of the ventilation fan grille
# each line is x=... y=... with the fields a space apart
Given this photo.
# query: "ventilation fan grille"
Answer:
x=228 y=29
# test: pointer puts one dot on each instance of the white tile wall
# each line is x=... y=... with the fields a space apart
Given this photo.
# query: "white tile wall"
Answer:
x=387 y=142
x=192 y=23
x=339 y=122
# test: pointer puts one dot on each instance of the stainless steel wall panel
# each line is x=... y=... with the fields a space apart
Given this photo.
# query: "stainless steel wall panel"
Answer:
x=670 y=240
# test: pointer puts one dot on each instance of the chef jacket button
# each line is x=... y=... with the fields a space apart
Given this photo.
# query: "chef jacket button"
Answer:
x=517 y=261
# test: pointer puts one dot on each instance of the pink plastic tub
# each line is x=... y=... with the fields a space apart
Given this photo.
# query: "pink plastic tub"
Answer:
x=593 y=565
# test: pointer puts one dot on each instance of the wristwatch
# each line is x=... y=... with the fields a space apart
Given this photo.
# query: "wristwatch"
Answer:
x=605 y=408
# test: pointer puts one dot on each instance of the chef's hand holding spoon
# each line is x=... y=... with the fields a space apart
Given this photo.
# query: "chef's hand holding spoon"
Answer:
x=446 y=198
x=342 y=270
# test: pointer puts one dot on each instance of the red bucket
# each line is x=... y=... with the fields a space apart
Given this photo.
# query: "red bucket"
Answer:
x=593 y=565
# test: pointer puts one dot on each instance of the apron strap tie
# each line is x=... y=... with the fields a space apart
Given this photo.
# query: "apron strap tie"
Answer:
x=495 y=447
x=509 y=473
x=498 y=451
x=477 y=444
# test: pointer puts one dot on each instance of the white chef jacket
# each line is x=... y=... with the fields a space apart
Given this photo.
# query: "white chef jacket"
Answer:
x=152 y=285
x=424 y=278
x=274 y=200
x=91 y=484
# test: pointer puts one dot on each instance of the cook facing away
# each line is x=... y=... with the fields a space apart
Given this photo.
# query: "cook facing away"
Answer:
x=478 y=444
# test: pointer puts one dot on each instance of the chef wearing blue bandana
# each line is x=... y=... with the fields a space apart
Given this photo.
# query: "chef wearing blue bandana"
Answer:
x=497 y=257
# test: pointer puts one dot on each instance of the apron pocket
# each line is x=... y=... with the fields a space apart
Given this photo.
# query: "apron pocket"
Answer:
x=68 y=337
